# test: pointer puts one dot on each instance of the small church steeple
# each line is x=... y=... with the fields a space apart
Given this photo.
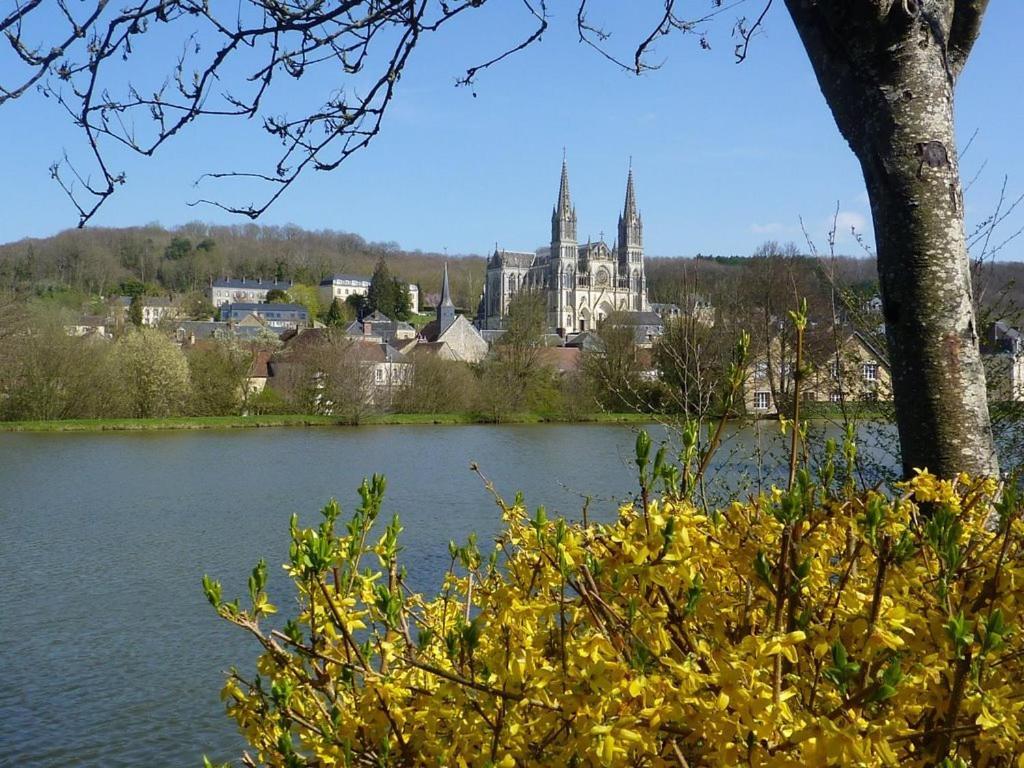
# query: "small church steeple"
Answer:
x=445 y=307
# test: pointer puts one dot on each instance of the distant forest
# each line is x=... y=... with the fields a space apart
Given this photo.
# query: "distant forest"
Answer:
x=185 y=259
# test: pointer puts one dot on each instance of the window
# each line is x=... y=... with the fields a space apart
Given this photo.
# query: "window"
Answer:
x=380 y=375
x=833 y=369
x=761 y=369
x=762 y=400
x=870 y=371
x=836 y=397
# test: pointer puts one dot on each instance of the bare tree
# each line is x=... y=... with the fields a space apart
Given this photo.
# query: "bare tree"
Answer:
x=231 y=57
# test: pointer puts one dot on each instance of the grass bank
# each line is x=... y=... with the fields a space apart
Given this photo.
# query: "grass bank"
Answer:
x=301 y=420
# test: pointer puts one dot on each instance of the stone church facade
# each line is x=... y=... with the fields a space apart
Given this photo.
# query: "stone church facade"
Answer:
x=582 y=283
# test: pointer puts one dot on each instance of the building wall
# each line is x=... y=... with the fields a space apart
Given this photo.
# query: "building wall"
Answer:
x=342 y=289
x=1005 y=375
x=576 y=300
x=862 y=376
x=465 y=341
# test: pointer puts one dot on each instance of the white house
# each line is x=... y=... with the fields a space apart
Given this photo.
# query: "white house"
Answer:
x=154 y=309
x=340 y=287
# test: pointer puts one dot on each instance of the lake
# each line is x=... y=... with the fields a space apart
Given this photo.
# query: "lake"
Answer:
x=111 y=655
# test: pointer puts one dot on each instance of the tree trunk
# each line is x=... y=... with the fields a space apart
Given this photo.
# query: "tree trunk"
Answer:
x=887 y=71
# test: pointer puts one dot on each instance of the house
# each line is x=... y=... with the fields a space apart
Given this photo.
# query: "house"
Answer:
x=230 y=291
x=340 y=287
x=155 y=309
x=189 y=332
x=87 y=325
x=461 y=336
x=695 y=306
x=380 y=328
x=259 y=372
x=383 y=370
x=858 y=372
x=270 y=315
x=389 y=370
x=1002 y=349
x=647 y=327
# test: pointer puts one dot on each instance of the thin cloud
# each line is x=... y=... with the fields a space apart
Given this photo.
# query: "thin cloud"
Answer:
x=851 y=220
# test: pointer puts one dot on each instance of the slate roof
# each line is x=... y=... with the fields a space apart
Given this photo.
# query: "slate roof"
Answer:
x=429 y=331
x=640 y=318
x=260 y=283
x=264 y=308
x=207 y=329
x=587 y=340
x=375 y=352
x=518 y=259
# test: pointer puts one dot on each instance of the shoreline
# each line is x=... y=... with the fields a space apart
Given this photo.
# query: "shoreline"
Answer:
x=306 y=420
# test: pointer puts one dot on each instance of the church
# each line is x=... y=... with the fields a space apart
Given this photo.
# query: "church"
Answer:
x=583 y=283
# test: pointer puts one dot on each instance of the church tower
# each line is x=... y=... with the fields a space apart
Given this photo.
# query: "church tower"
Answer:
x=564 y=254
x=631 y=248
x=445 y=307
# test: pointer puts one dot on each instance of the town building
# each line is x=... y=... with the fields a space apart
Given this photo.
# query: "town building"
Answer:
x=462 y=339
x=230 y=291
x=857 y=372
x=1002 y=349
x=582 y=283
x=340 y=287
x=88 y=325
x=380 y=328
x=155 y=309
x=269 y=315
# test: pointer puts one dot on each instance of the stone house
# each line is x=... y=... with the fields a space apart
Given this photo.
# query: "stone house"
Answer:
x=1002 y=349
x=229 y=290
x=858 y=372
x=461 y=337
x=270 y=315
x=380 y=328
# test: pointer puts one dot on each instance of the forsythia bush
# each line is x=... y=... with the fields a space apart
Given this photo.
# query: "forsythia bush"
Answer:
x=811 y=626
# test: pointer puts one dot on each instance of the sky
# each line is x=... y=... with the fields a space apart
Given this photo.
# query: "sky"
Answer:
x=725 y=155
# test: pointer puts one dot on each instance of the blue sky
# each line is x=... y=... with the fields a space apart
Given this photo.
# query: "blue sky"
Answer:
x=725 y=156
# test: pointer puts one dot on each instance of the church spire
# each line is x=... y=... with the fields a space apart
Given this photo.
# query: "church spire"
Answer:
x=563 y=216
x=564 y=201
x=629 y=212
x=445 y=307
x=631 y=227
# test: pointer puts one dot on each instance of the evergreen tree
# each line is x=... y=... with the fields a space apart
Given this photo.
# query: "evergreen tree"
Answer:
x=403 y=307
x=335 y=315
x=381 y=295
x=135 y=311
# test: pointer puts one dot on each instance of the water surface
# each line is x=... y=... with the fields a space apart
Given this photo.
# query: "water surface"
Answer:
x=111 y=655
